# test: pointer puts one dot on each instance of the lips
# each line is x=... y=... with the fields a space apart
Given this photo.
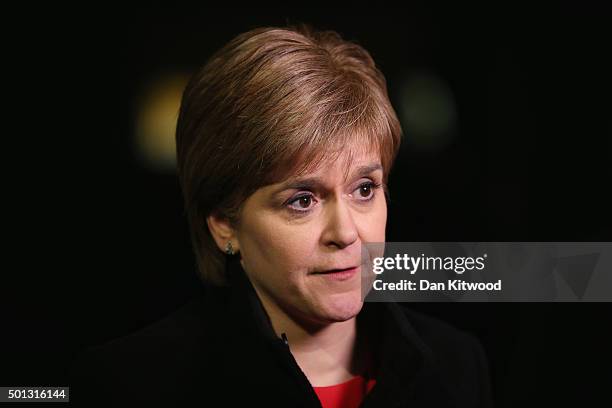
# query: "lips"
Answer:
x=338 y=275
x=336 y=270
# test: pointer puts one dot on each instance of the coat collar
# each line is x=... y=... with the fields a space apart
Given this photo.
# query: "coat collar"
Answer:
x=401 y=355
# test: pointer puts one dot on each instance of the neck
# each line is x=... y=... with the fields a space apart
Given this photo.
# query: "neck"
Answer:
x=328 y=353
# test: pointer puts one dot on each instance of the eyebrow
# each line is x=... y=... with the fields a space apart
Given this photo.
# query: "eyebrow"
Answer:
x=309 y=183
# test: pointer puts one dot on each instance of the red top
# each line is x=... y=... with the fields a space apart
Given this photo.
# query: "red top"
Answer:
x=348 y=394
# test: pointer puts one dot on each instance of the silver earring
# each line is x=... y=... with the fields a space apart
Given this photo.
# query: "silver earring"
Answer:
x=228 y=248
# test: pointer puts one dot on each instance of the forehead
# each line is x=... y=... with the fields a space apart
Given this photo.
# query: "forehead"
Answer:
x=338 y=170
x=330 y=163
x=329 y=169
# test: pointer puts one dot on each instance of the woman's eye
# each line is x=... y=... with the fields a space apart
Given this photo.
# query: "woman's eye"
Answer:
x=302 y=203
x=305 y=203
x=366 y=191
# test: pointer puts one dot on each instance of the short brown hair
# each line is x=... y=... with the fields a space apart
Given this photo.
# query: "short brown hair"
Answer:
x=270 y=103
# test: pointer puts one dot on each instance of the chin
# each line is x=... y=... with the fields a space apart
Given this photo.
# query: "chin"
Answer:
x=342 y=308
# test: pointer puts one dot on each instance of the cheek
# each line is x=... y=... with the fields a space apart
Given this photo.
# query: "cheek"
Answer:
x=278 y=249
x=373 y=229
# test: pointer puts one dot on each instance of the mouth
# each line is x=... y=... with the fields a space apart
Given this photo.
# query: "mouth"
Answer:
x=339 y=274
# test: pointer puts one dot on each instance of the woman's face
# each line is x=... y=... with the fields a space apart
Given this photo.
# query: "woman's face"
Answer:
x=292 y=233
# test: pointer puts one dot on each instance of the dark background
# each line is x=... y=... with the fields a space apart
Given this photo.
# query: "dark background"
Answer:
x=103 y=246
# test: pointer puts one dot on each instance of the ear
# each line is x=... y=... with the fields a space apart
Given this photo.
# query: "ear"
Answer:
x=222 y=232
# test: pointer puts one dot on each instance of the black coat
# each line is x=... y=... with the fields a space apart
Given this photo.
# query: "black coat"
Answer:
x=221 y=350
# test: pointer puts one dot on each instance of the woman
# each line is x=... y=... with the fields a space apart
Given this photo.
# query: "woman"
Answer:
x=285 y=140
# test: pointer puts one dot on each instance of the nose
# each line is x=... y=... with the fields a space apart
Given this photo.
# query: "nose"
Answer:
x=340 y=229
